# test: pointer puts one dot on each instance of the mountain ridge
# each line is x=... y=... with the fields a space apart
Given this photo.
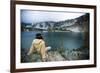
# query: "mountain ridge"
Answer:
x=80 y=24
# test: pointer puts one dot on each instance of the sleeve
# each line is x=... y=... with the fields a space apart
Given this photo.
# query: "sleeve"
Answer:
x=31 y=50
x=42 y=50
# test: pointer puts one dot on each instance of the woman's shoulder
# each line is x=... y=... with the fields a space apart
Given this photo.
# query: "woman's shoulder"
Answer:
x=42 y=41
x=38 y=41
x=35 y=41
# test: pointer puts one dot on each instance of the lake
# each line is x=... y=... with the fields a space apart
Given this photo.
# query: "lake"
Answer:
x=67 y=40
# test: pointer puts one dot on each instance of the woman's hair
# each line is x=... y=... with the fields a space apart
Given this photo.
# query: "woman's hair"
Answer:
x=39 y=36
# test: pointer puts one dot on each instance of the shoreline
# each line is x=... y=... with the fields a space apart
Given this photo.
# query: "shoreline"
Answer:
x=48 y=31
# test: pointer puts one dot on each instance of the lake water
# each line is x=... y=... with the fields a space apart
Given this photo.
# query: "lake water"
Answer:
x=67 y=40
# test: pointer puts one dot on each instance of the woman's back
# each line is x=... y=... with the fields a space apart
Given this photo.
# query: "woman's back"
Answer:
x=38 y=43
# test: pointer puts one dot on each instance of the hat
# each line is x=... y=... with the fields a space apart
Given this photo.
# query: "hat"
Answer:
x=39 y=36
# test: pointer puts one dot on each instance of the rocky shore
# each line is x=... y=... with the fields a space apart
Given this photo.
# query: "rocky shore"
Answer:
x=57 y=55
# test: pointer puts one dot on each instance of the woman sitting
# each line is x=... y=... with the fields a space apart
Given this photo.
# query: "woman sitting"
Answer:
x=38 y=44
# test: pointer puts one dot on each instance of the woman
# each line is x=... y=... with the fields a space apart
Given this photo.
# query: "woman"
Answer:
x=38 y=44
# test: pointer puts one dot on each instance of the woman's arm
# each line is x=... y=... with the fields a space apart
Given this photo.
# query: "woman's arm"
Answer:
x=31 y=49
x=43 y=50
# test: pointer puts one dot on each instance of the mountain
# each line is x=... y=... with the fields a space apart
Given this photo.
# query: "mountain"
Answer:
x=52 y=24
x=44 y=25
x=80 y=24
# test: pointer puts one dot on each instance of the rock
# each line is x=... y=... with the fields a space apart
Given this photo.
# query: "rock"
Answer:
x=36 y=57
x=54 y=56
x=76 y=54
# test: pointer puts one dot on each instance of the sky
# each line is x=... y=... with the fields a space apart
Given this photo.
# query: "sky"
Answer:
x=30 y=16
